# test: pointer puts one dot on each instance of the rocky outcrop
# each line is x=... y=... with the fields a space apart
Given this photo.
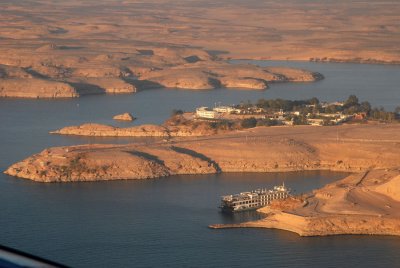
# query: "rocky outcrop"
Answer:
x=295 y=75
x=84 y=71
x=99 y=130
x=108 y=162
x=210 y=75
x=182 y=78
x=166 y=130
x=274 y=149
x=324 y=225
x=36 y=88
x=245 y=83
x=389 y=188
x=124 y=117
x=82 y=78
x=109 y=85
x=7 y=71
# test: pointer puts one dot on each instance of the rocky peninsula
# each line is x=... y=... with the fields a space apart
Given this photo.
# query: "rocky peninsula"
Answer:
x=363 y=203
x=65 y=77
x=352 y=148
x=366 y=202
x=165 y=130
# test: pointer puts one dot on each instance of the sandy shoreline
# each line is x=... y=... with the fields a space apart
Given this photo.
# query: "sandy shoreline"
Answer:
x=366 y=202
x=353 y=148
x=363 y=203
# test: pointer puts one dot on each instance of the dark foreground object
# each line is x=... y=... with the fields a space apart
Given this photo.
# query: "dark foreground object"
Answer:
x=11 y=258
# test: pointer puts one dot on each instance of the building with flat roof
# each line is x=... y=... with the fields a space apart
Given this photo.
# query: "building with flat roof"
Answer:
x=205 y=112
x=226 y=109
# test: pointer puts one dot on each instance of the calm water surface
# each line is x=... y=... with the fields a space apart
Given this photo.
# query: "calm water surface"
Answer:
x=164 y=222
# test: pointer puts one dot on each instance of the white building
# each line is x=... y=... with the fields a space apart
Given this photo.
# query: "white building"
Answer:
x=336 y=103
x=205 y=112
x=226 y=109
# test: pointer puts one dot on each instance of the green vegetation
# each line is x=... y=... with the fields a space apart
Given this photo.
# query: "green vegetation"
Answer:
x=299 y=120
x=312 y=107
x=249 y=122
x=176 y=112
x=273 y=105
x=222 y=125
x=381 y=114
x=272 y=112
x=267 y=122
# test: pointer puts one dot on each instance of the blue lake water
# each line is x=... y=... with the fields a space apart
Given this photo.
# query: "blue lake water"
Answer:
x=164 y=222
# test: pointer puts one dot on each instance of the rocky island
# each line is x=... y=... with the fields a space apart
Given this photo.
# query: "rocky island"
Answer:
x=205 y=121
x=124 y=117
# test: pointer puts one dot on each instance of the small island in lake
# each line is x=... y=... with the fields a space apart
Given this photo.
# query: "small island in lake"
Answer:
x=124 y=117
x=205 y=121
x=354 y=138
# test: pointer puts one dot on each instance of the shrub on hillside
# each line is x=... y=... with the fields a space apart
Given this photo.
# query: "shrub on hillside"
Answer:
x=249 y=122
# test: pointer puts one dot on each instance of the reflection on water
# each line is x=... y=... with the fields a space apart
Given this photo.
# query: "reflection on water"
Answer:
x=125 y=220
x=163 y=222
x=377 y=84
x=242 y=216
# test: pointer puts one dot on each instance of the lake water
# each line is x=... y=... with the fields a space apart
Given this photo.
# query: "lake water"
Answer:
x=378 y=84
x=164 y=222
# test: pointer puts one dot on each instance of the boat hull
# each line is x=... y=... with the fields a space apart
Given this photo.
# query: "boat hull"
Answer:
x=227 y=209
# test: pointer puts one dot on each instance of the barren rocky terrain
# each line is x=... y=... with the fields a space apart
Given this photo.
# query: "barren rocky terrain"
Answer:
x=366 y=202
x=363 y=203
x=293 y=29
x=166 y=130
x=63 y=75
x=68 y=49
x=263 y=149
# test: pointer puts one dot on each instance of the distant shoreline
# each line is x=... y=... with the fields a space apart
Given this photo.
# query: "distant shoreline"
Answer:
x=344 y=61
